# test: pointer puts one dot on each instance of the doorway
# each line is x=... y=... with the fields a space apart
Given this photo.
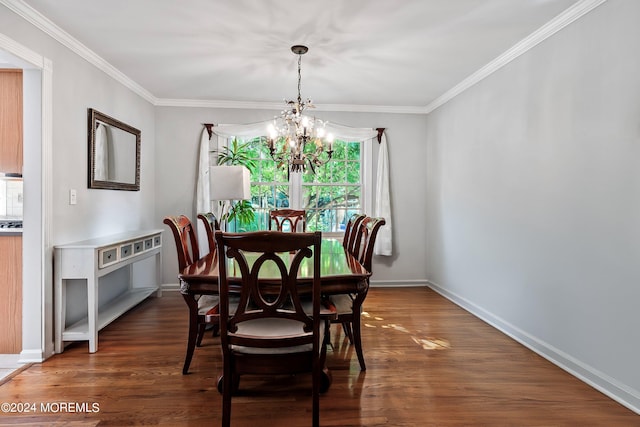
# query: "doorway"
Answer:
x=37 y=278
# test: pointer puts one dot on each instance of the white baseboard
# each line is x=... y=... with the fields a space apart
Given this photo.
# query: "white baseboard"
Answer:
x=617 y=391
x=398 y=283
x=31 y=356
x=170 y=287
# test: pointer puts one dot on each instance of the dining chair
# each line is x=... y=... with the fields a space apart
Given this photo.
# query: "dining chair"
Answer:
x=211 y=224
x=188 y=251
x=349 y=306
x=351 y=230
x=294 y=217
x=270 y=331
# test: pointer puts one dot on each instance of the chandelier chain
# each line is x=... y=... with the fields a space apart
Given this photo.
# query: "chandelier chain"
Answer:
x=299 y=79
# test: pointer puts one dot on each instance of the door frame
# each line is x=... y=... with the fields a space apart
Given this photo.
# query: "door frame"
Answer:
x=37 y=267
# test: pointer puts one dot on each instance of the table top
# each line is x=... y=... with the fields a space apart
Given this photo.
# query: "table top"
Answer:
x=340 y=272
x=113 y=239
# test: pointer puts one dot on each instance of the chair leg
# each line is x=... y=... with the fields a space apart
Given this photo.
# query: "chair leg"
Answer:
x=227 y=388
x=321 y=378
x=358 y=342
x=201 y=328
x=316 y=399
x=325 y=375
x=357 y=338
x=193 y=331
x=346 y=327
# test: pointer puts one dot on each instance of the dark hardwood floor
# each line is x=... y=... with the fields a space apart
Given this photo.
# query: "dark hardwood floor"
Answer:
x=428 y=363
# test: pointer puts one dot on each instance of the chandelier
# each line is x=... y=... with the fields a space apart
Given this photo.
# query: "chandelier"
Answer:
x=290 y=136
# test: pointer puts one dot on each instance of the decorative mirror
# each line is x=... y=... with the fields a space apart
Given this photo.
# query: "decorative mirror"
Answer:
x=114 y=153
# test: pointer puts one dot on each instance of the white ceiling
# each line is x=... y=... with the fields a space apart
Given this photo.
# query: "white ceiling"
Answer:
x=393 y=53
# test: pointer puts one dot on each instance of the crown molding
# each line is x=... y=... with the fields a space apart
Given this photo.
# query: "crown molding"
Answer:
x=198 y=103
x=26 y=56
x=550 y=28
x=44 y=24
x=559 y=22
x=203 y=103
x=393 y=109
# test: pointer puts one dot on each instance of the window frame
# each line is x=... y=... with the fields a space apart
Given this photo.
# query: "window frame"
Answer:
x=295 y=180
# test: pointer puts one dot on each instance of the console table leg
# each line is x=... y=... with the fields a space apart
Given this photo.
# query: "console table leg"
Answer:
x=92 y=312
x=159 y=274
x=60 y=302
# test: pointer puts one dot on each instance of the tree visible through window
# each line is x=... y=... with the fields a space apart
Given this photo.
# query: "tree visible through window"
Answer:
x=330 y=196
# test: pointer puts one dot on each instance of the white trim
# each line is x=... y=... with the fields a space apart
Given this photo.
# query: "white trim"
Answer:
x=42 y=255
x=559 y=22
x=415 y=283
x=43 y=23
x=198 y=103
x=550 y=28
x=418 y=283
x=31 y=356
x=20 y=51
x=201 y=103
x=611 y=387
x=47 y=207
x=170 y=287
x=353 y=108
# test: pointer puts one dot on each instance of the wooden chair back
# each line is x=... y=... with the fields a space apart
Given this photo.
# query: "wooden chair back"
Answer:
x=211 y=225
x=268 y=331
x=360 y=234
x=351 y=231
x=184 y=235
x=294 y=217
x=370 y=228
x=349 y=307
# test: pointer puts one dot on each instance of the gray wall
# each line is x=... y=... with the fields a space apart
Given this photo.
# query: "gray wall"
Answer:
x=534 y=199
x=529 y=202
x=77 y=85
x=178 y=134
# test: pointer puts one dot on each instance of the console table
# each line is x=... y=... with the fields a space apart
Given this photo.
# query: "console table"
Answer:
x=90 y=260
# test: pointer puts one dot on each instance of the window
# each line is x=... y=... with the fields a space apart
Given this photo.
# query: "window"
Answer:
x=330 y=196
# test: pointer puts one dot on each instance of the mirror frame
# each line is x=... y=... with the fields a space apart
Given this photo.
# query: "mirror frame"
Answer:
x=93 y=116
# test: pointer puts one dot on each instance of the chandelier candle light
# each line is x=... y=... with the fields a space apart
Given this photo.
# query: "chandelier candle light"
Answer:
x=290 y=133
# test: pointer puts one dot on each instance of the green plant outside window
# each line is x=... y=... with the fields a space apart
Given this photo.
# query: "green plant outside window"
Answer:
x=329 y=196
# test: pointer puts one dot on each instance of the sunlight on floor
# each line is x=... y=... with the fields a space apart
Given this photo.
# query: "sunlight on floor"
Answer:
x=427 y=343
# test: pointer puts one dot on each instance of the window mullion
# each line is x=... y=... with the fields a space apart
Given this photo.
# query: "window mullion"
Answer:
x=295 y=195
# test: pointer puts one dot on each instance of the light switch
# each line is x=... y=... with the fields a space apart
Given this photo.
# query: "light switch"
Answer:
x=73 y=197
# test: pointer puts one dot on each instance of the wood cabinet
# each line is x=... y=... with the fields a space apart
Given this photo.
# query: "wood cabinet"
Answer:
x=11 y=294
x=11 y=113
x=92 y=259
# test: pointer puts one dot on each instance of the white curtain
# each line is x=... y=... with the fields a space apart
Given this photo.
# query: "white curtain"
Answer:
x=203 y=199
x=253 y=130
x=101 y=160
x=383 y=201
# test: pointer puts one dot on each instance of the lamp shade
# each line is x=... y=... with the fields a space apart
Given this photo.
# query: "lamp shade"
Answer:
x=230 y=183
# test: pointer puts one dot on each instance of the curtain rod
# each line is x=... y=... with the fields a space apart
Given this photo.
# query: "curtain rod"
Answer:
x=210 y=131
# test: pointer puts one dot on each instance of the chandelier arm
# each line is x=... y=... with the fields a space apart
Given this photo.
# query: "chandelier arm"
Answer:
x=292 y=132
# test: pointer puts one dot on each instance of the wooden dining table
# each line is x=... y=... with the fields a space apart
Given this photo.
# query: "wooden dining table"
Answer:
x=340 y=272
